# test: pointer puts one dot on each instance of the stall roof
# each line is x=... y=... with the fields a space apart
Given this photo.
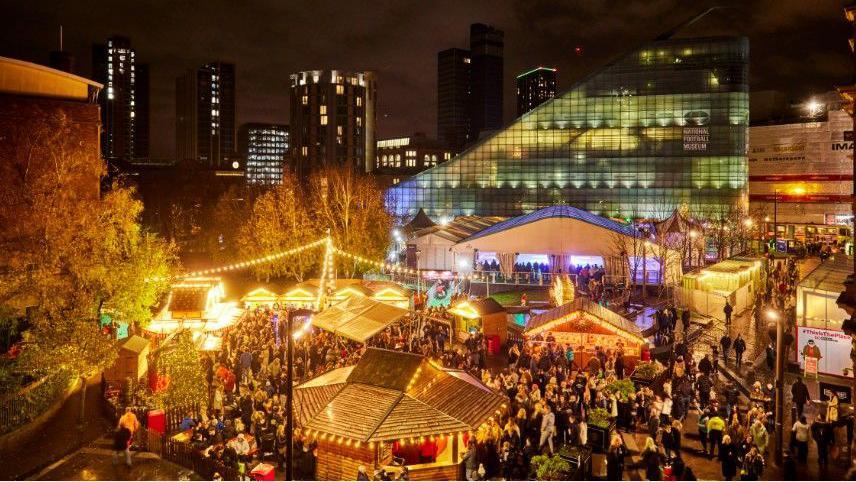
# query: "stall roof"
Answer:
x=829 y=275
x=478 y=308
x=459 y=228
x=358 y=319
x=391 y=395
x=188 y=299
x=560 y=314
x=135 y=344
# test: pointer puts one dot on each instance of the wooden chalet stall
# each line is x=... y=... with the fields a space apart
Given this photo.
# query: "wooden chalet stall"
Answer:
x=132 y=362
x=393 y=405
x=301 y=295
x=585 y=325
x=485 y=314
x=259 y=297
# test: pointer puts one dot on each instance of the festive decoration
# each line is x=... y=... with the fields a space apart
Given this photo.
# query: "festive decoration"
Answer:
x=179 y=363
x=265 y=259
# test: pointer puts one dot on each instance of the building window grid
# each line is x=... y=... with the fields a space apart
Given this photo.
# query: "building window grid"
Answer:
x=613 y=145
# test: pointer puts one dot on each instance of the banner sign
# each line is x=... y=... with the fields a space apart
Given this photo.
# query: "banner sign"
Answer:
x=827 y=389
x=830 y=348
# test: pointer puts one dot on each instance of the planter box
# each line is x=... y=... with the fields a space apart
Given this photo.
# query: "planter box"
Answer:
x=598 y=438
x=640 y=381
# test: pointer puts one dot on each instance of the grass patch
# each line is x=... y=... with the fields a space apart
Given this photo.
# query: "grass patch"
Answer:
x=512 y=298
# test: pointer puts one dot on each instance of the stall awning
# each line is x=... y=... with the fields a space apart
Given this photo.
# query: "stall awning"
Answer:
x=608 y=319
x=357 y=318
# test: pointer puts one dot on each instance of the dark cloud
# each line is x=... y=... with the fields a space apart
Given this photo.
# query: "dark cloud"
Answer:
x=797 y=46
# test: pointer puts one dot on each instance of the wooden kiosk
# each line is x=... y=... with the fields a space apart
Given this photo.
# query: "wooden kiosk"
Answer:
x=585 y=325
x=393 y=405
x=485 y=314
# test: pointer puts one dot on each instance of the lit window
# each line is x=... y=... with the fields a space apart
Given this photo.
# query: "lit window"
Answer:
x=396 y=180
x=359 y=121
x=339 y=130
x=305 y=100
x=340 y=89
x=359 y=101
x=323 y=120
x=304 y=150
x=322 y=109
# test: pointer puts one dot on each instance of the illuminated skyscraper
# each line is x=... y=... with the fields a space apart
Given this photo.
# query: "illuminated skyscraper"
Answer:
x=205 y=115
x=662 y=126
x=333 y=120
x=534 y=87
x=265 y=147
x=115 y=66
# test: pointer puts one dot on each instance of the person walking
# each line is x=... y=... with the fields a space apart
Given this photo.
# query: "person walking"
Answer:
x=821 y=432
x=615 y=459
x=715 y=427
x=651 y=460
x=753 y=465
x=122 y=443
x=800 y=395
x=703 y=418
x=728 y=458
x=725 y=343
x=471 y=461
x=727 y=309
x=739 y=348
x=548 y=428
x=800 y=434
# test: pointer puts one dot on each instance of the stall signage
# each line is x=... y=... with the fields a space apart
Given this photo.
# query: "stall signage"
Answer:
x=842 y=392
x=591 y=340
x=830 y=348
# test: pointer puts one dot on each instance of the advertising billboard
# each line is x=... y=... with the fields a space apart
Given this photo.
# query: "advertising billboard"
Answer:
x=831 y=348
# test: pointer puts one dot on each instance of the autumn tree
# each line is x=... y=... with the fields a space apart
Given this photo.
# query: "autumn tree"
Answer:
x=353 y=207
x=67 y=252
x=279 y=220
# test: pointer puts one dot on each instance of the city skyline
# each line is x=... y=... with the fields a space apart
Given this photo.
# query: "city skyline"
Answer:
x=381 y=39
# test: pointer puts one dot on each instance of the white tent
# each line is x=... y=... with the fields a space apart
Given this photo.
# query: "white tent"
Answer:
x=564 y=235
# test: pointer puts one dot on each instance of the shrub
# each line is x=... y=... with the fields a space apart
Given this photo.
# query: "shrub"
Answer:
x=550 y=468
x=598 y=417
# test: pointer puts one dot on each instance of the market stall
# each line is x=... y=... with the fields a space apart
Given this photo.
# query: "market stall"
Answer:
x=358 y=318
x=132 y=363
x=393 y=406
x=485 y=314
x=301 y=295
x=259 y=297
x=585 y=325
x=705 y=291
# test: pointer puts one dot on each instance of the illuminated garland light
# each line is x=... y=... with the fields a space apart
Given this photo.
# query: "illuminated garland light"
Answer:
x=253 y=262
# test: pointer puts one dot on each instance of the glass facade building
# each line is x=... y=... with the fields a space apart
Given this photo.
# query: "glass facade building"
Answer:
x=663 y=126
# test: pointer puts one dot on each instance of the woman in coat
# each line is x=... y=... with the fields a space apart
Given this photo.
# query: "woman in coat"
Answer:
x=651 y=459
x=728 y=458
x=615 y=459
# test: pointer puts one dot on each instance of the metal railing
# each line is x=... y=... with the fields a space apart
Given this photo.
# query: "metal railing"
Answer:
x=31 y=401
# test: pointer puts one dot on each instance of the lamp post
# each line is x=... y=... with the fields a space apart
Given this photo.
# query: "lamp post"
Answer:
x=748 y=223
x=289 y=390
x=775 y=219
x=774 y=317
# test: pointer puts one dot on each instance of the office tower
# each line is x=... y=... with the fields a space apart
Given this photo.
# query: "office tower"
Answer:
x=114 y=65
x=453 y=98
x=264 y=146
x=205 y=115
x=332 y=120
x=141 y=118
x=534 y=87
x=485 y=79
x=661 y=127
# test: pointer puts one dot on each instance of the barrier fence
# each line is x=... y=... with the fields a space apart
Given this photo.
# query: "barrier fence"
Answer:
x=22 y=407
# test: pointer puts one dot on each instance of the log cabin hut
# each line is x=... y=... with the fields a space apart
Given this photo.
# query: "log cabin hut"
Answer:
x=393 y=406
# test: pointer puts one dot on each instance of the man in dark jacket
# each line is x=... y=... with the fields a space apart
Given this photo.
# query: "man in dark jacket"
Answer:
x=739 y=348
x=725 y=343
x=727 y=311
x=121 y=444
x=799 y=394
x=821 y=432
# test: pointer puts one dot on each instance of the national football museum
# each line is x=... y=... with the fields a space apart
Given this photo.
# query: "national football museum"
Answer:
x=661 y=127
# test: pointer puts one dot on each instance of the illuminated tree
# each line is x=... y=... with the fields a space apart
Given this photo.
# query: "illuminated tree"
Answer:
x=180 y=365
x=352 y=207
x=280 y=220
x=69 y=252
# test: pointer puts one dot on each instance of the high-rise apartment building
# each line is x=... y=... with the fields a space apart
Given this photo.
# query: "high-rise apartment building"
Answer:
x=141 y=116
x=332 y=120
x=661 y=127
x=265 y=147
x=486 y=43
x=205 y=115
x=114 y=64
x=453 y=98
x=534 y=87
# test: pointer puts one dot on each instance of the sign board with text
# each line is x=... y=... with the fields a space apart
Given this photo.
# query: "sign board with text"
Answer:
x=830 y=348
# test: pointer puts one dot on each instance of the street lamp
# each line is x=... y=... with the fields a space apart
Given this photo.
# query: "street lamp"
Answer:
x=774 y=317
x=289 y=391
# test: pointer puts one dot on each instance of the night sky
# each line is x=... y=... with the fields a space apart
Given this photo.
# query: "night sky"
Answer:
x=797 y=46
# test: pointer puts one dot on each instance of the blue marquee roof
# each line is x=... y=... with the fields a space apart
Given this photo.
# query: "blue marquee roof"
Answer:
x=561 y=211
